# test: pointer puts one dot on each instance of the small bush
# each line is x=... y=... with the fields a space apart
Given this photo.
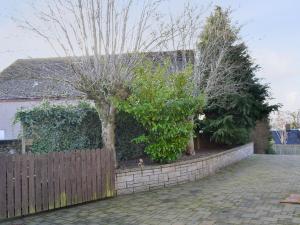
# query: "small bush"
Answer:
x=163 y=103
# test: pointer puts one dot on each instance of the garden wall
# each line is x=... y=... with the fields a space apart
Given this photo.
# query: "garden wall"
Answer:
x=153 y=177
x=286 y=149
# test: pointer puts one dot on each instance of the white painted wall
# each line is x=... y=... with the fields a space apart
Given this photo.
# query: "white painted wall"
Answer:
x=8 y=110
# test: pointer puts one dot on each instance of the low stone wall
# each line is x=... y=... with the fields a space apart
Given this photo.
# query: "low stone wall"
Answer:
x=286 y=149
x=154 y=177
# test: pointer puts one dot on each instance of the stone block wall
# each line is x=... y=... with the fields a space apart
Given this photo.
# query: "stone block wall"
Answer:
x=154 y=177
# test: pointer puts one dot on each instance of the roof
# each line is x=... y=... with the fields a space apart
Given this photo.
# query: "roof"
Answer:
x=293 y=137
x=25 y=79
x=29 y=78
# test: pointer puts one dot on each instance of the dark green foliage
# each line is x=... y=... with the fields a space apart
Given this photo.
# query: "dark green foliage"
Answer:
x=223 y=130
x=59 y=128
x=127 y=128
x=71 y=127
x=163 y=103
x=270 y=149
x=232 y=121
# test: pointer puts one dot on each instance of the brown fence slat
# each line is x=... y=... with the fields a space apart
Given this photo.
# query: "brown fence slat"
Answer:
x=24 y=180
x=112 y=175
x=10 y=186
x=107 y=174
x=83 y=176
x=98 y=172
x=44 y=172
x=103 y=169
x=73 y=178
x=62 y=182
x=56 y=179
x=50 y=159
x=94 y=178
x=78 y=177
x=31 y=183
x=17 y=176
x=88 y=175
x=38 y=164
x=3 y=204
x=68 y=177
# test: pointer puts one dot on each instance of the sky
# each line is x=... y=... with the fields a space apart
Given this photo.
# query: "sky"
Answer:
x=270 y=29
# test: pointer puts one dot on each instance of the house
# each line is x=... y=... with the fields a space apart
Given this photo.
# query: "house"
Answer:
x=26 y=83
x=292 y=137
x=23 y=85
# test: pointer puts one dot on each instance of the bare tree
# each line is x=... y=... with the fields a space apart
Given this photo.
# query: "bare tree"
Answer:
x=279 y=122
x=215 y=74
x=104 y=40
x=295 y=119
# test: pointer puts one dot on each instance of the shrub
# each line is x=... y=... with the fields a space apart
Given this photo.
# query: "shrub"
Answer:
x=224 y=130
x=60 y=127
x=70 y=127
x=163 y=103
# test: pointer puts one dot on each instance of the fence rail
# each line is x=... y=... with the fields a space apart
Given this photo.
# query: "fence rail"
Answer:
x=32 y=183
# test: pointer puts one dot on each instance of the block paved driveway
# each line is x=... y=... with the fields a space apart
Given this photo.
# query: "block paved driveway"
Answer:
x=245 y=193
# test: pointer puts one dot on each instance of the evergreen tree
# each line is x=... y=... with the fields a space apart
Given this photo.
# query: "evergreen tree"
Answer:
x=230 y=116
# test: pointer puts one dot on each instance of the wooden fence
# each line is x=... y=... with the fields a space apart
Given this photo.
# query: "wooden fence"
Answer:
x=33 y=183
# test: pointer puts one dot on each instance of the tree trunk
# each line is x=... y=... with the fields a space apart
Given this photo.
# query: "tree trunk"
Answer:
x=190 y=149
x=107 y=114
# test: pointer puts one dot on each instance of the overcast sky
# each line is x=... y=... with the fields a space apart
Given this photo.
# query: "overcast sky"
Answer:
x=270 y=28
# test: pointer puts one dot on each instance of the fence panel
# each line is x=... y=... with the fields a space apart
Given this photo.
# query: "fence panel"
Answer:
x=34 y=183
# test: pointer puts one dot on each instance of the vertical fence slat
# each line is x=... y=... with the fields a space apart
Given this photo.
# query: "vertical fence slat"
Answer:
x=3 y=204
x=56 y=179
x=98 y=170
x=73 y=178
x=24 y=177
x=94 y=178
x=103 y=169
x=62 y=182
x=10 y=187
x=88 y=175
x=38 y=182
x=45 y=192
x=17 y=175
x=107 y=173
x=68 y=177
x=78 y=177
x=31 y=186
x=112 y=175
x=83 y=177
x=50 y=181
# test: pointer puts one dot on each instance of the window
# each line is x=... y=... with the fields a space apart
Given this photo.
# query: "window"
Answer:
x=2 y=134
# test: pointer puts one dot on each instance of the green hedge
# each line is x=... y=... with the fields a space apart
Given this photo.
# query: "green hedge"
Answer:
x=70 y=127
